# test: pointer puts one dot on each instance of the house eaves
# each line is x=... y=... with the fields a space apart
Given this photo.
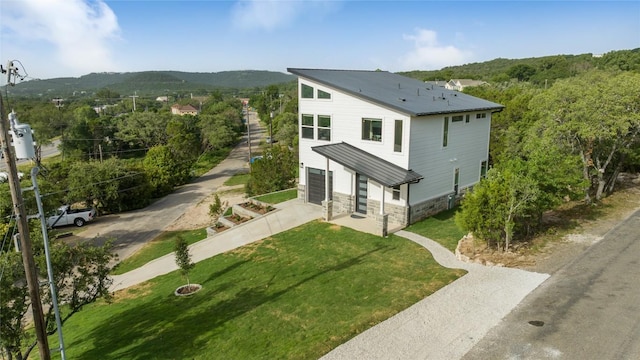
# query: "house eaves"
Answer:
x=405 y=95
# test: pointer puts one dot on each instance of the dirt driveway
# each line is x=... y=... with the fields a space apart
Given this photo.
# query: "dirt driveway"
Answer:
x=187 y=205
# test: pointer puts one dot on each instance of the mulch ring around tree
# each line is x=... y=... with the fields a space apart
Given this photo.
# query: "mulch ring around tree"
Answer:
x=186 y=290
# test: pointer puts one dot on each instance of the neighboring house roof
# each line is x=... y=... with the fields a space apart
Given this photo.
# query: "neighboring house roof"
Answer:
x=362 y=162
x=406 y=95
x=468 y=82
x=183 y=109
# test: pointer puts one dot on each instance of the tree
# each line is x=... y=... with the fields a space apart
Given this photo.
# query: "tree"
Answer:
x=183 y=258
x=111 y=185
x=596 y=116
x=522 y=72
x=81 y=276
x=143 y=130
x=163 y=169
x=275 y=171
x=492 y=208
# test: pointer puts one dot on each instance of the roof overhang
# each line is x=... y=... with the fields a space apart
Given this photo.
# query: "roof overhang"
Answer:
x=362 y=162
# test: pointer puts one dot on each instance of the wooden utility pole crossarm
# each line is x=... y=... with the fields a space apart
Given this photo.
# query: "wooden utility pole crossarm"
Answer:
x=25 y=240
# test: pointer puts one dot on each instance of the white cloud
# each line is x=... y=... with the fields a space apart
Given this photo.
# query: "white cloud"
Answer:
x=272 y=14
x=78 y=30
x=428 y=54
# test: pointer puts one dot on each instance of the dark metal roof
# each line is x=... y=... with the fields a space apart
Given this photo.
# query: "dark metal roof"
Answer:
x=403 y=94
x=365 y=163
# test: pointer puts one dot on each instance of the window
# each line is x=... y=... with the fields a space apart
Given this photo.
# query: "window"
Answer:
x=324 y=127
x=372 y=129
x=483 y=169
x=307 y=126
x=456 y=179
x=323 y=94
x=397 y=138
x=466 y=118
x=456 y=118
x=445 y=133
x=396 y=192
x=481 y=116
x=306 y=91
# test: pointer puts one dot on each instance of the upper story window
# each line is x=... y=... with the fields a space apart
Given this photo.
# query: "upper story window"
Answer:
x=307 y=126
x=466 y=118
x=323 y=94
x=306 y=91
x=397 y=136
x=481 y=116
x=445 y=132
x=456 y=118
x=324 y=127
x=372 y=129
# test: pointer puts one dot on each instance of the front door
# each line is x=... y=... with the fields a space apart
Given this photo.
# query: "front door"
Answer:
x=361 y=193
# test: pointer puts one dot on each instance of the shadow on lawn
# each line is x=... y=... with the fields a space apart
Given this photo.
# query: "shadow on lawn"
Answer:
x=170 y=327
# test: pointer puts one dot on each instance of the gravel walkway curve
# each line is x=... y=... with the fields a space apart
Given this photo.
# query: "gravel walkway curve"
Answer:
x=448 y=323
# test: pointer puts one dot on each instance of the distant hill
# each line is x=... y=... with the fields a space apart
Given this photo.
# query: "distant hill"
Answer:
x=546 y=68
x=151 y=83
x=243 y=83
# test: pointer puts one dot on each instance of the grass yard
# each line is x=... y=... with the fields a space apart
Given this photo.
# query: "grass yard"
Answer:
x=295 y=295
x=441 y=228
x=278 y=197
x=160 y=246
x=237 y=179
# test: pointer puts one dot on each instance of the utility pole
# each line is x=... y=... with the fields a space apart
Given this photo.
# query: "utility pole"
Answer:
x=134 y=96
x=25 y=240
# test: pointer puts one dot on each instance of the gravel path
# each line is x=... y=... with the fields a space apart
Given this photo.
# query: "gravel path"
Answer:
x=451 y=321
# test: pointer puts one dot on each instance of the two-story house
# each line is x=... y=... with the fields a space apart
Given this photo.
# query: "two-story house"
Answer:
x=386 y=146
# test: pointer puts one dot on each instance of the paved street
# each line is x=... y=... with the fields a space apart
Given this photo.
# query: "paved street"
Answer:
x=590 y=309
x=131 y=230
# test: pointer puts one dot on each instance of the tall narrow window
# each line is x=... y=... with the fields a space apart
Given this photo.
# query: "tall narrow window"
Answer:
x=323 y=94
x=307 y=126
x=456 y=179
x=483 y=169
x=324 y=127
x=372 y=129
x=397 y=137
x=445 y=133
x=306 y=91
x=466 y=118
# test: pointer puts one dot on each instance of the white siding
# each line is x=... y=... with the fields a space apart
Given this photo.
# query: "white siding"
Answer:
x=346 y=125
x=467 y=146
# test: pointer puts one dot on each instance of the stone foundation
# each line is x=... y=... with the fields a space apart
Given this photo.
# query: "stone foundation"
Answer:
x=343 y=203
x=302 y=192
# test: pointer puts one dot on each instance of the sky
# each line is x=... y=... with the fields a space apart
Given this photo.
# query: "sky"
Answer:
x=71 y=38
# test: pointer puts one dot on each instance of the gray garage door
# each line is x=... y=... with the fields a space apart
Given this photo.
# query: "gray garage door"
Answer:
x=315 y=185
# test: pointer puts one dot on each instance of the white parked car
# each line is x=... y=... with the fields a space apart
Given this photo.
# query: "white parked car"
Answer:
x=65 y=215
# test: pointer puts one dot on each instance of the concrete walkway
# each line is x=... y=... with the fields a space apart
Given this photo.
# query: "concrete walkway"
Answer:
x=444 y=325
x=448 y=323
x=288 y=215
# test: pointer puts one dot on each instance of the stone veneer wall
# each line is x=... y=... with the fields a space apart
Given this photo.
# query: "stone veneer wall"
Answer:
x=343 y=203
x=301 y=192
x=397 y=214
x=431 y=207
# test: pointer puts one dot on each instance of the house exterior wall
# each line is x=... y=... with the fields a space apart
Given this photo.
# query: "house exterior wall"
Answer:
x=422 y=151
x=346 y=114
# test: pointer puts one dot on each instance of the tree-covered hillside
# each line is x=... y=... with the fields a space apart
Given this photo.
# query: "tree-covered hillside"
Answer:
x=150 y=83
x=537 y=70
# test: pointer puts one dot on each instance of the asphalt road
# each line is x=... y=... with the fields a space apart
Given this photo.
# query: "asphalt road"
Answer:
x=131 y=230
x=590 y=309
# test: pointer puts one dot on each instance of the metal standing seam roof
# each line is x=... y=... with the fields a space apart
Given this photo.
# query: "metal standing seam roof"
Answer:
x=362 y=162
x=403 y=94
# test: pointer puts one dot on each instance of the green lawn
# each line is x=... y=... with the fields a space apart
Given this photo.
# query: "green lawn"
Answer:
x=237 y=179
x=441 y=228
x=160 y=246
x=295 y=295
x=278 y=197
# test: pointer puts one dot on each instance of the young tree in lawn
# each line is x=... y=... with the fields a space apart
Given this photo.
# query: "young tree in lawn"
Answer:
x=183 y=258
